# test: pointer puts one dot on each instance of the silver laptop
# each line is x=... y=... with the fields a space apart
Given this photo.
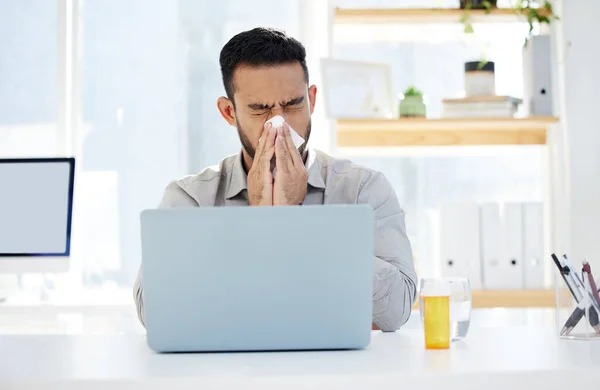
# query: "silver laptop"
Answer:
x=258 y=278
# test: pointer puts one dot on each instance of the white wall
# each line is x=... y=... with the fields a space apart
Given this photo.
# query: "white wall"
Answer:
x=580 y=116
x=132 y=99
x=206 y=28
x=28 y=141
x=28 y=78
x=315 y=32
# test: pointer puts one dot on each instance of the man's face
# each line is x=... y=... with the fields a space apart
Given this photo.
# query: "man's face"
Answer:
x=264 y=92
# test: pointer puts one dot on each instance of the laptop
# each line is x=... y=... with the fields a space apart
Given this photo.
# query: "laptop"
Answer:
x=258 y=278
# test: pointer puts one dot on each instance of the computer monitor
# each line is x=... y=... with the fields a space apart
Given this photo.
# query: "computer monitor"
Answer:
x=36 y=208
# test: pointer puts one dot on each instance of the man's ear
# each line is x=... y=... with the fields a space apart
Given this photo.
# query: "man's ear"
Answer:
x=312 y=97
x=226 y=109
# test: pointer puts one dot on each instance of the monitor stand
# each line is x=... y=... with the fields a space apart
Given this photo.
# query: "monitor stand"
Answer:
x=14 y=272
x=25 y=289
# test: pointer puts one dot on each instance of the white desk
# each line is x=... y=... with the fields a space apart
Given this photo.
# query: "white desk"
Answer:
x=103 y=312
x=491 y=358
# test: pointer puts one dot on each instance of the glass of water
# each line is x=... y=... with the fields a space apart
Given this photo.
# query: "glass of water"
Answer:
x=460 y=306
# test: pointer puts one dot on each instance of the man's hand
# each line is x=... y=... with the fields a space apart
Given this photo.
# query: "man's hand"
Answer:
x=291 y=178
x=260 y=178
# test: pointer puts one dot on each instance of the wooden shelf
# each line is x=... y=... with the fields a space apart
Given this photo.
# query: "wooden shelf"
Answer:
x=423 y=15
x=516 y=299
x=442 y=132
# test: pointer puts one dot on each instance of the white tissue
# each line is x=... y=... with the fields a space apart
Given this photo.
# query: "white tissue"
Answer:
x=277 y=122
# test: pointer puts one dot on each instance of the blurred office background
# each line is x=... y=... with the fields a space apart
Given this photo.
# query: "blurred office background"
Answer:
x=130 y=86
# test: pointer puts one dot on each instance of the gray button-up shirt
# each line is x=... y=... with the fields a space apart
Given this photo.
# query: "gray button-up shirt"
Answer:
x=330 y=181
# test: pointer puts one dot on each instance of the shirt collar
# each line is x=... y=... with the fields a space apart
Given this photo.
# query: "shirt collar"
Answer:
x=238 y=179
x=315 y=170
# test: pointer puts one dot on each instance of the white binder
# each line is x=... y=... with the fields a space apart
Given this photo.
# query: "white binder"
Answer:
x=533 y=245
x=491 y=244
x=502 y=248
x=512 y=231
x=459 y=242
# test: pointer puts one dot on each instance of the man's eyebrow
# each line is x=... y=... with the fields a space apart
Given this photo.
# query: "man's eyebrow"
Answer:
x=259 y=107
x=294 y=101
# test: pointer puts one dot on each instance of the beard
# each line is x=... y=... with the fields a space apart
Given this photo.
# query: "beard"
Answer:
x=247 y=145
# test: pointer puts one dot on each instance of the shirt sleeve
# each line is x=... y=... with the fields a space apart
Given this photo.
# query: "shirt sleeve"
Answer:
x=174 y=196
x=394 y=276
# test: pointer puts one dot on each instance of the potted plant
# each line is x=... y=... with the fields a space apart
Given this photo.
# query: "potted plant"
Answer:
x=478 y=4
x=539 y=11
x=412 y=103
x=536 y=11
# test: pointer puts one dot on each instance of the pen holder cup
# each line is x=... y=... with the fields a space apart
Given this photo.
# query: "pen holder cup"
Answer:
x=575 y=321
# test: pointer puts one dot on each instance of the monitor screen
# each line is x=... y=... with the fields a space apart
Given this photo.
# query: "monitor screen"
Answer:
x=36 y=202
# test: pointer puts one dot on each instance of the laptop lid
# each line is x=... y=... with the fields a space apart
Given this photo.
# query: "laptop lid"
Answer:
x=258 y=278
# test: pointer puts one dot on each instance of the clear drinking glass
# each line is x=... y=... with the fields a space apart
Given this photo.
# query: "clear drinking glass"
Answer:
x=460 y=305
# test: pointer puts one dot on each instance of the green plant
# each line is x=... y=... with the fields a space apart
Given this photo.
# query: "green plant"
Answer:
x=478 y=4
x=412 y=91
x=539 y=11
x=412 y=104
x=481 y=64
x=535 y=11
x=466 y=16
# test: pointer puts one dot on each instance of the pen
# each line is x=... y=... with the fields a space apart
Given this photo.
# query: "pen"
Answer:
x=576 y=279
x=587 y=269
x=565 y=274
x=591 y=292
x=582 y=286
x=594 y=320
x=578 y=291
x=573 y=320
x=577 y=315
x=593 y=311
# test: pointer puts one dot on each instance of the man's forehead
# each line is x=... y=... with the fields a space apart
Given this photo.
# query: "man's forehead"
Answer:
x=282 y=82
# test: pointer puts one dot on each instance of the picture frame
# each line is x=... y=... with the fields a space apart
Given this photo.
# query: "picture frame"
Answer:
x=357 y=90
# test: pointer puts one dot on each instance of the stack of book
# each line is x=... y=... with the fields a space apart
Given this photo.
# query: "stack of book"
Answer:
x=480 y=106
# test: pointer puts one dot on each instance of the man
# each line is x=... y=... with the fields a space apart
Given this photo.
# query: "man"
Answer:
x=265 y=74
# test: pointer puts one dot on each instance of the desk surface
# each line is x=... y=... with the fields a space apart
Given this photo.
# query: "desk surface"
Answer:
x=117 y=315
x=490 y=358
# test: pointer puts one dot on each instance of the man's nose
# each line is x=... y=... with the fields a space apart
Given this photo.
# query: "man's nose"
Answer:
x=277 y=111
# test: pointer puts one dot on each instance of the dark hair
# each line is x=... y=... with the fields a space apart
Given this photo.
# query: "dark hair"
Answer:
x=259 y=47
